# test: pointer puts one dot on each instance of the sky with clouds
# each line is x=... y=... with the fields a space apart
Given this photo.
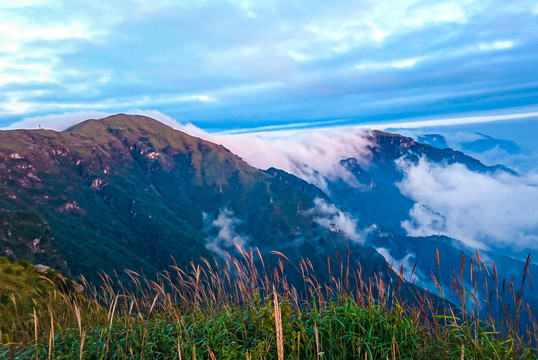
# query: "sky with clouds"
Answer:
x=235 y=64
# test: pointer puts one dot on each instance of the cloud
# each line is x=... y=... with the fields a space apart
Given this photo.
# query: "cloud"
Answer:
x=496 y=45
x=484 y=211
x=397 y=64
x=330 y=217
x=312 y=155
x=223 y=237
x=460 y=120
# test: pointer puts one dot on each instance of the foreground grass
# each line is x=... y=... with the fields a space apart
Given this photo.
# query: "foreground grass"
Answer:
x=243 y=311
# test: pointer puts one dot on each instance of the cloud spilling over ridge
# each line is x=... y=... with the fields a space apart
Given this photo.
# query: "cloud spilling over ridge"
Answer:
x=312 y=155
x=226 y=238
x=330 y=217
x=482 y=210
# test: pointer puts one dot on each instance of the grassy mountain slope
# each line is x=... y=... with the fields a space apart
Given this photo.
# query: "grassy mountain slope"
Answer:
x=204 y=312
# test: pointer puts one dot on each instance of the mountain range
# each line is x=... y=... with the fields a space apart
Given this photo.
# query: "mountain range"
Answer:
x=128 y=192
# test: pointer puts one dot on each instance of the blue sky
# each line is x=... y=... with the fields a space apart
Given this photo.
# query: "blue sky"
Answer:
x=225 y=65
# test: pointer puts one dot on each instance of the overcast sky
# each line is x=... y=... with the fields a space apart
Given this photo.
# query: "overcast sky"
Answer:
x=239 y=64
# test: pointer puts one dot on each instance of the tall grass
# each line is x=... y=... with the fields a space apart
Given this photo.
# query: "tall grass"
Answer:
x=244 y=309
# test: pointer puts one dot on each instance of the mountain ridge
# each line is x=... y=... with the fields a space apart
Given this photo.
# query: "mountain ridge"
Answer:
x=129 y=192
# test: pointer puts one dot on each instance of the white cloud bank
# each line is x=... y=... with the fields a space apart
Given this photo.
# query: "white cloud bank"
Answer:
x=482 y=210
x=312 y=154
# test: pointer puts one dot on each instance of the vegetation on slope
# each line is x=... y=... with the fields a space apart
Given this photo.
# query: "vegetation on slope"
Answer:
x=27 y=291
x=238 y=310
